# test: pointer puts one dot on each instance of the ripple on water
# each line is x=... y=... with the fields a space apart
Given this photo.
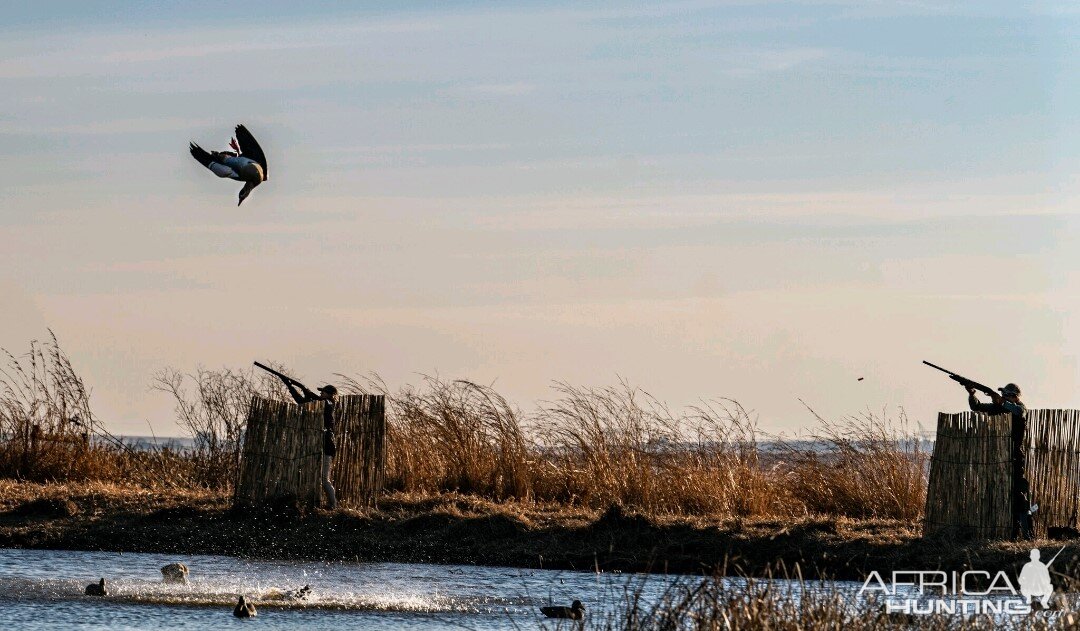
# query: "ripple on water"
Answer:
x=343 y=595
x=224 y=593
x=392 y=596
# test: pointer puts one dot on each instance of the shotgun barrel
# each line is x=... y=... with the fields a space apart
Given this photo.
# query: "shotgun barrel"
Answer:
x=964 y=381
x=281 y=376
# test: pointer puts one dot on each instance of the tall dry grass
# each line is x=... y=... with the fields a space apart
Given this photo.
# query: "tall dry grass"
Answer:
x=719 y=603
x=212 y=407
x=619 y=445
x=595 y=447
x=868 y=469
x=453 y=436
x=586 y=447
x=49 y=432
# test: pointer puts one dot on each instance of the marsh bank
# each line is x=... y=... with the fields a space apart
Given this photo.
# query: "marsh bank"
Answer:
x=455 y=529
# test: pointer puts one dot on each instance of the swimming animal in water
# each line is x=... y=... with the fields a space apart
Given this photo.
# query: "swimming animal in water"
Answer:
x=245 y=163
x=244 y=609
x=288 y=595
x=97 y=589
x=576 y=611
x=175 y=573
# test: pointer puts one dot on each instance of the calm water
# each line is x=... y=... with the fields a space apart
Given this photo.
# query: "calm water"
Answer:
x=43 y=589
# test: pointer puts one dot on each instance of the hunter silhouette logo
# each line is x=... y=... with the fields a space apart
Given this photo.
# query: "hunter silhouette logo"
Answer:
x=937 y=591
x=1035 y=579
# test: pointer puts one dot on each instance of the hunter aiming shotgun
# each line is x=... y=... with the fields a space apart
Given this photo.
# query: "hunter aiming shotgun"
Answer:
x=328 y=398
x=964 y=381
x=1008 y=402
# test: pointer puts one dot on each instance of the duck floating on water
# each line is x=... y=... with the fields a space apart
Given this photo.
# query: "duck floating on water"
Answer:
x=244 y=609
x=97 y=589
x=576 y=611
x=174 y=573
x=245 y=163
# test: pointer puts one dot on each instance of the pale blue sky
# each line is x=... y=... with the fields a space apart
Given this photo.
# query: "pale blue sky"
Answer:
x=754 y=200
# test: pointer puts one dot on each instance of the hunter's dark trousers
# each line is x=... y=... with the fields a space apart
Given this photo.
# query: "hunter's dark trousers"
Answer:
x=1021 y=489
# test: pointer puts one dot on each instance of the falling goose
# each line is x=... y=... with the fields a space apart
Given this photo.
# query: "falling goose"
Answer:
x=245 y=163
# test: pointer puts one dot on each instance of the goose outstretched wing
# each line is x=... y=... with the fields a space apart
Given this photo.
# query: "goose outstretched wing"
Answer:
x=249 y=147
x=204 y=158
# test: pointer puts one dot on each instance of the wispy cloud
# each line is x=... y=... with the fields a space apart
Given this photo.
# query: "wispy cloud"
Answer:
x=753 y=62
x=518 y=88
x=224 y=50
x=147 y=124
x=99 y=52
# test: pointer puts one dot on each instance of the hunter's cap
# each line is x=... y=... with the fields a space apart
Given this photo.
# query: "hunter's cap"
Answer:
x=1010 y=388
x=328 y=389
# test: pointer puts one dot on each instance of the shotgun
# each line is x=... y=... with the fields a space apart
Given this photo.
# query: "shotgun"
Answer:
x=286 y=378
x=964 y=381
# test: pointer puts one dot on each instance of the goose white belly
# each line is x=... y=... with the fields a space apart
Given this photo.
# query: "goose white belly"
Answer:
x=237 y=167
x=232 y=166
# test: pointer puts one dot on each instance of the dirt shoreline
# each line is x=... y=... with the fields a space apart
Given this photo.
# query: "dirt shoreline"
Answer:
x=463 y=530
